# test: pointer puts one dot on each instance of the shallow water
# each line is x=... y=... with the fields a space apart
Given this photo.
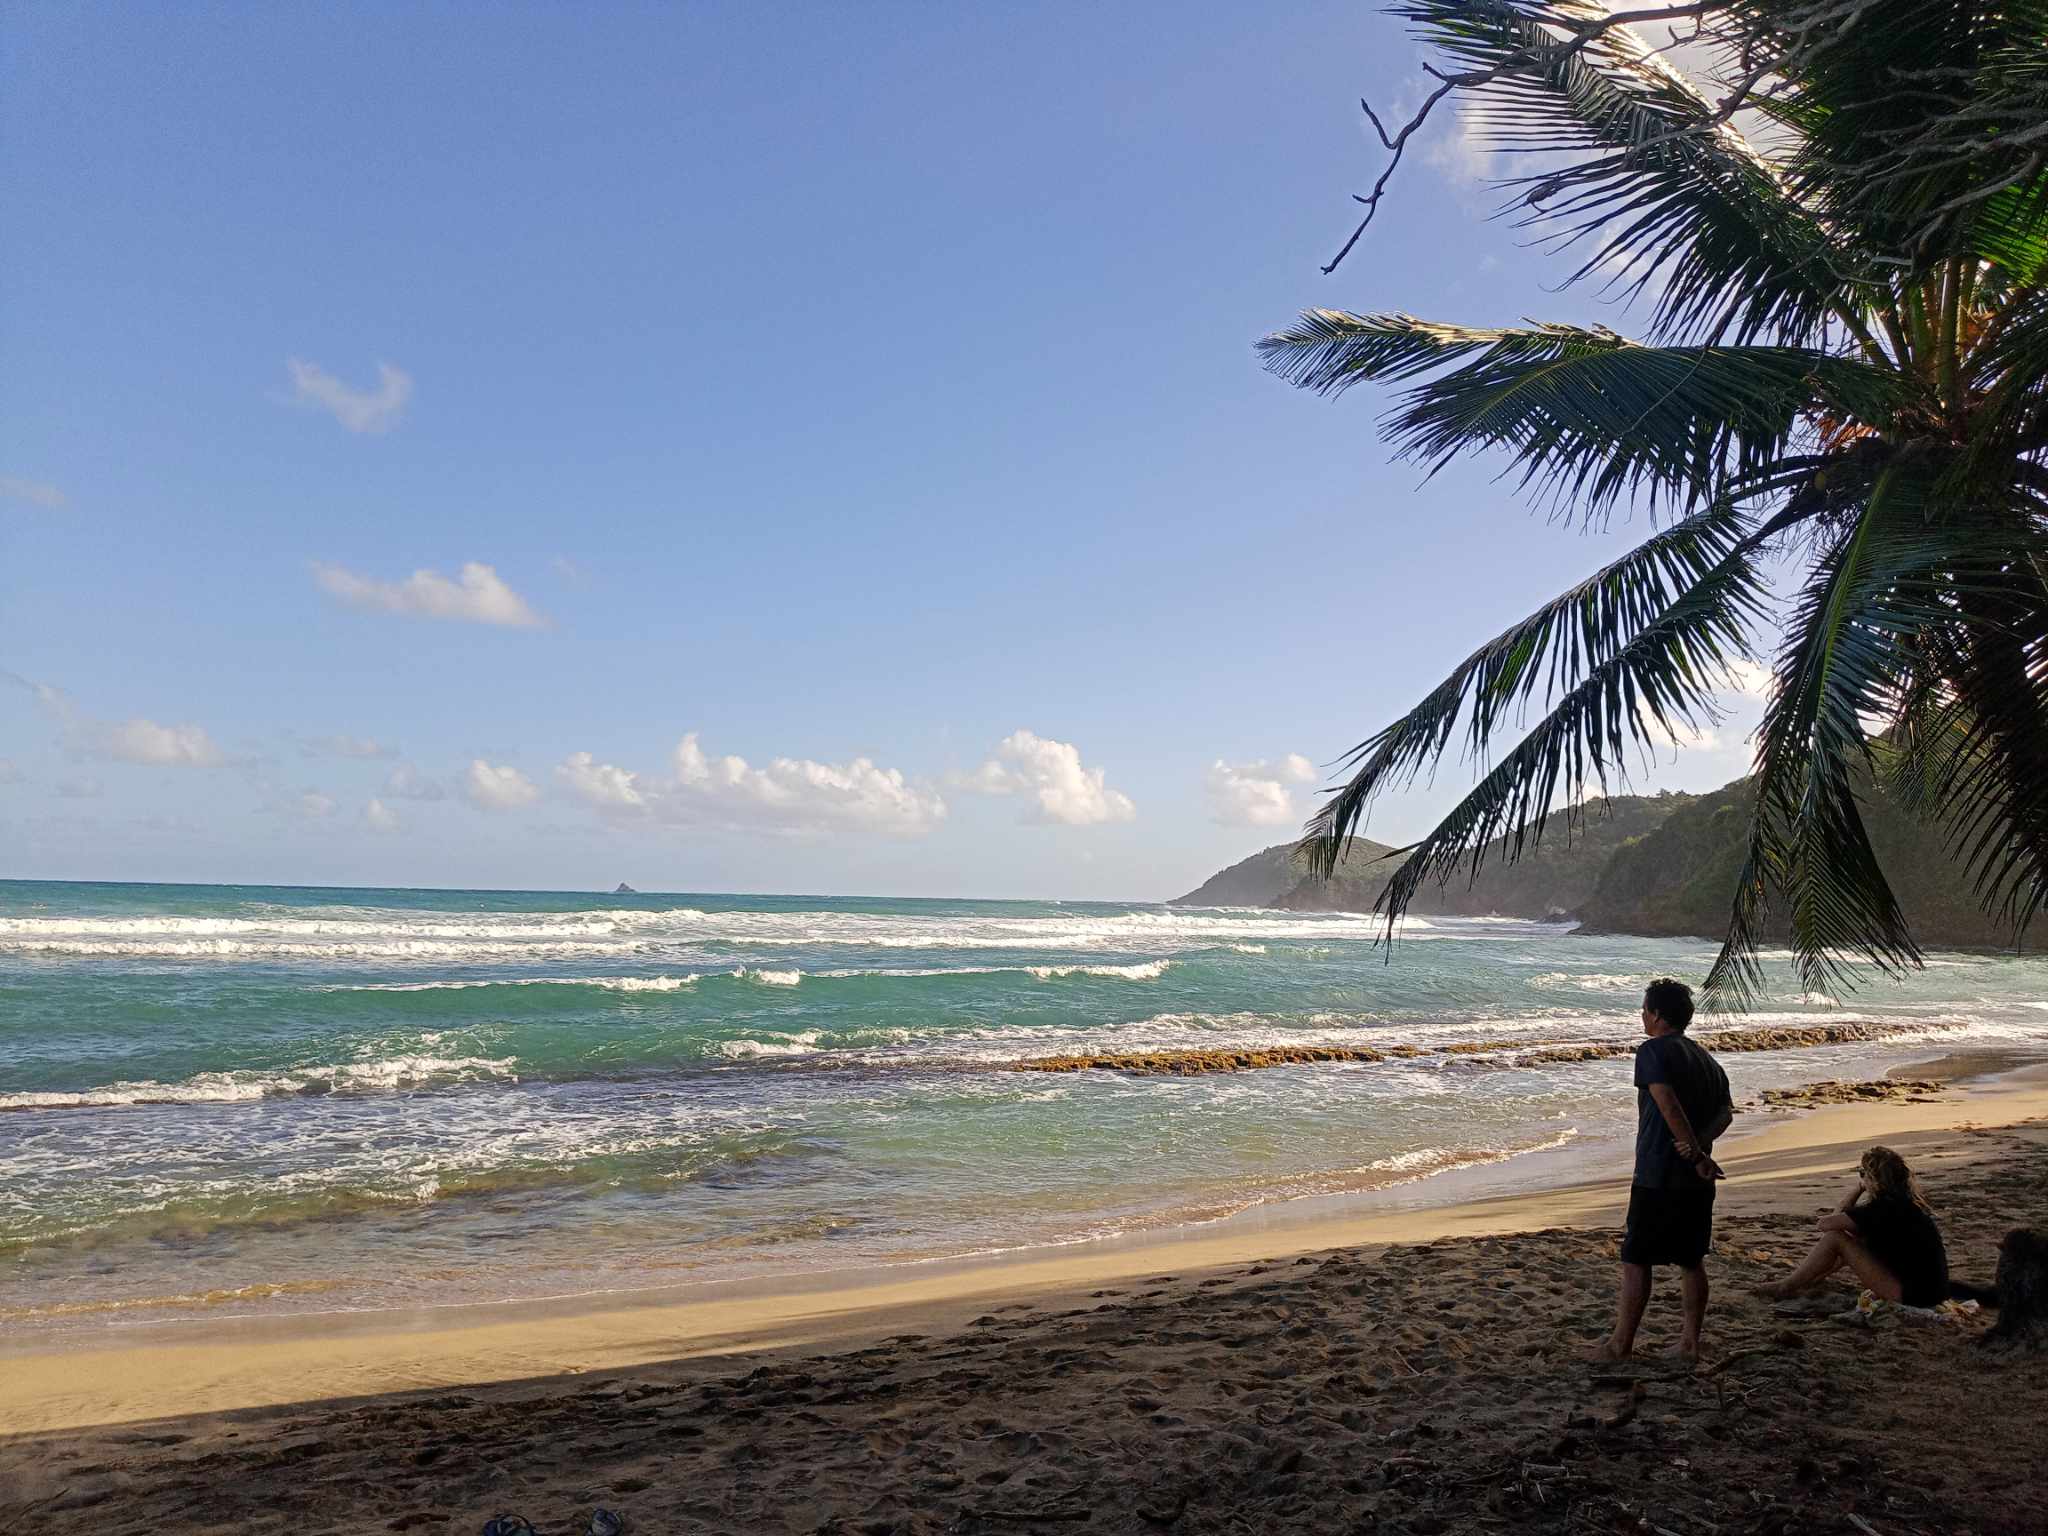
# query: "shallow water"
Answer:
x=265 y=1099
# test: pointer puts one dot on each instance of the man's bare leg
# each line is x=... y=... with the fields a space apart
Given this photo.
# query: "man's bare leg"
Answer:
x=1628 y=1315
x=1693 y=1283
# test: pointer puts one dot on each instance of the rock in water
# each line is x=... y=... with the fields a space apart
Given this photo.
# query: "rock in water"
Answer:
x=623 y=889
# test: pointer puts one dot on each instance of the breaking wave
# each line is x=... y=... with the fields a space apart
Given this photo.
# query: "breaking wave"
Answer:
x=389 y=1075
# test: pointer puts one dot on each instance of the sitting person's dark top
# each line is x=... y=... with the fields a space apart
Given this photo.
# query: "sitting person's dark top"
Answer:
x=1903 y=1238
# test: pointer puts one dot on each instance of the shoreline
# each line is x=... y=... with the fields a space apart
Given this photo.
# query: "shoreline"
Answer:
x=221 y=1365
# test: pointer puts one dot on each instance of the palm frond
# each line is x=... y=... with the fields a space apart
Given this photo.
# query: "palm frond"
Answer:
x=1855 y=653
x=1639 y=655
x=1923 y=126
x=1662 y=187
x=1582 y=412
x=1970 y=740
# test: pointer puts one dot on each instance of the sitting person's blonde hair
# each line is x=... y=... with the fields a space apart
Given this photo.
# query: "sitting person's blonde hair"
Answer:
x=1888 y=1171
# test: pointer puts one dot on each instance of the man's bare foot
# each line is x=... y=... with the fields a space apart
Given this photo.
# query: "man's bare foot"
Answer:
x=1776 y=1290
x=1607 y=1349
x=1688 y=1349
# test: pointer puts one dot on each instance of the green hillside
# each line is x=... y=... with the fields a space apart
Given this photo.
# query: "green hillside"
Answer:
x=1262 y=879
x=1680 y=878
x=1646 y=864
x=1550 y=880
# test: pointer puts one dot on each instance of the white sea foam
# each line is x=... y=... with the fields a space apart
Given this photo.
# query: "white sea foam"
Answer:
x=769 y=978
x=348 y=933
x=1148 y=970
x=1424 y=1161
x=302 y=949
x=804 y=1044
x=1551 y=980
x=387 y=1075
x=604 y=983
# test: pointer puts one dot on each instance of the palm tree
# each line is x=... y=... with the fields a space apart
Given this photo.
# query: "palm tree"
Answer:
x=1843 y=248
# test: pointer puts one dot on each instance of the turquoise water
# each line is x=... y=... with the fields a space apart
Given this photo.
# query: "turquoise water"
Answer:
x=266 y=1099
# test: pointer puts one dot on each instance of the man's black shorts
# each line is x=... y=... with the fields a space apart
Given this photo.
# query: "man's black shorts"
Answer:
x=1668 y=1226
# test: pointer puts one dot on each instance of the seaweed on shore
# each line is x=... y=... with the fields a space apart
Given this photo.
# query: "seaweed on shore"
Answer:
x=1515 y=1053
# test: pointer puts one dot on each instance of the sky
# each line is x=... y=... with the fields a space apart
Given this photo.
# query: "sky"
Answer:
x=752 y=447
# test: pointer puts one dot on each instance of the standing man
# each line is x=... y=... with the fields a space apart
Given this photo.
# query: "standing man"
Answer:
x=1682 y=1105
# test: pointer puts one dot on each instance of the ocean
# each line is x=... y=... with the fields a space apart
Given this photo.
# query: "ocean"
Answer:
x=220 y=1100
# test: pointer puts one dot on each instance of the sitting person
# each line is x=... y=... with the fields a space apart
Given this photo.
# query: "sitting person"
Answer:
x=1885 y=1233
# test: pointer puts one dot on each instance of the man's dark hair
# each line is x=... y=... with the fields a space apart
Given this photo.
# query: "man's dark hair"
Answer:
x=1671 y=1001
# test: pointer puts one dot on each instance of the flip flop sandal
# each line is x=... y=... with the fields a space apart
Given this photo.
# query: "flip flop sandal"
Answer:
x=508 y=1525
x=604 y=1523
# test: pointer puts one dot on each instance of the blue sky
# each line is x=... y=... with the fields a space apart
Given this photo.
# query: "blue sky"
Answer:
x=832 y=434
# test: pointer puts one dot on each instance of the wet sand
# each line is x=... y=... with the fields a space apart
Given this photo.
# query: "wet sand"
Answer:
x=1347 y=1366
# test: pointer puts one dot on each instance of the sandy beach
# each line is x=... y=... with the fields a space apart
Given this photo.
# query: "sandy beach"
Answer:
x=1349 y=1366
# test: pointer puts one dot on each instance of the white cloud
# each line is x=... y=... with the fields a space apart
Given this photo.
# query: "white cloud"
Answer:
x=497 y=786
x=10 y=772
x=136 y=740
x=1694 y=738
x=315 y=806
x=789 y=796
x=478 y=596
x=379 y=817
x=43 y=495
x=799 y=794
x=602 y=785
x=144 y=741
x=1752 y=679
x=1257 y=794
x=345 y=746
x=406 y=782
x=83 y=787
x=1051 y=774
x=357 y=409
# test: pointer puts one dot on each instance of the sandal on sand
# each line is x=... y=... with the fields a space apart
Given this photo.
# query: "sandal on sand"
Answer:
x=604 y=1523
x=508 y=1525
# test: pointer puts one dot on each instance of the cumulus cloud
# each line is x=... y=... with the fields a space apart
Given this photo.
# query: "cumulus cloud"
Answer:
x=359 y=410
x=600 y=784
x=10 y=772
x=1051 y=776
x=379 y=817
x=798 y=793
x=345 y=746
x=1694 y=738
x=315 y=806
x=405 y=782
x=478 y=595
x=497 y=786
x=792 y=796
x=135 y=740
x=144 y=741
x=1257 y=794
x=1752 y=679
x=36 y=491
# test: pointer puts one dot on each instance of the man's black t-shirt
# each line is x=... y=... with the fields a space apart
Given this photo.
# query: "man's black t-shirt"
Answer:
x=1701 y=1086
x=1904 y=1239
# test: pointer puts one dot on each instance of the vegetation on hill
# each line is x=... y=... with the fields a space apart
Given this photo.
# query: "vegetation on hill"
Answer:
x=1270 y=873
x=1641 y=864
x=1550 y=879
x=1675 y=879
